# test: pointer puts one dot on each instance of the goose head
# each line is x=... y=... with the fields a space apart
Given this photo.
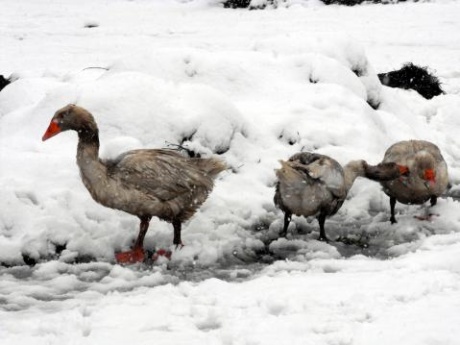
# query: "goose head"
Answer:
x=71 y=117
x=386 y=171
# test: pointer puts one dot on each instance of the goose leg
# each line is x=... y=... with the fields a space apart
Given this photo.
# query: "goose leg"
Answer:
x=287 y=220
x=322 y=231
x=177 y=229
x=392 y=208
x=433 y=202
x=137 y=253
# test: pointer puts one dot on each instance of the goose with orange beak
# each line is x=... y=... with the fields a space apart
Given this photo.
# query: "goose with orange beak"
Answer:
x=145 y=183
x=427 y=178
x=311 y=184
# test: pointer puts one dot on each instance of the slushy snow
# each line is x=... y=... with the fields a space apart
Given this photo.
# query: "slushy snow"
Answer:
x=251 y=87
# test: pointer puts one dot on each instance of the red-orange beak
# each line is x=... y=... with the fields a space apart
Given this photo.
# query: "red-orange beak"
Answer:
x=404 y=170
x=52 y=130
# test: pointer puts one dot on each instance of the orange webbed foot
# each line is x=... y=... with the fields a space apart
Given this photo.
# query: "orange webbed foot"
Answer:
x=428 y=217
x=131 y=256
x=162 y=253
x=165 y=253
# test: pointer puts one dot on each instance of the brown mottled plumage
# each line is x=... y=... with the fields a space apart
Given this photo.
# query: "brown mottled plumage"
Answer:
x=428 y=177
x=144 y=183
x=311 y=184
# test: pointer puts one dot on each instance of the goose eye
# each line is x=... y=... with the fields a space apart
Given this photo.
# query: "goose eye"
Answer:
x=63 y=115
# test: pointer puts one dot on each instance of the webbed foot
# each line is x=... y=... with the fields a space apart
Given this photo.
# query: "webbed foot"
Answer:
x=161 y=253
x=324 y=239
x=429 y=217
x=130 y=256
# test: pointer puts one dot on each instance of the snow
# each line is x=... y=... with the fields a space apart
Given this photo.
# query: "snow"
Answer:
x=253 y=87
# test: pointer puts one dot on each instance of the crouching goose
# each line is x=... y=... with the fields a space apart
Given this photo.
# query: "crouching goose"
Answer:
x=427 y=179
x=311 y=184
x=144 y=183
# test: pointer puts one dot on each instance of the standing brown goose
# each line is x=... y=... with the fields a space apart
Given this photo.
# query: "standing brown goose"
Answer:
x=311 y=184
x=144 y=183
x=428 y=177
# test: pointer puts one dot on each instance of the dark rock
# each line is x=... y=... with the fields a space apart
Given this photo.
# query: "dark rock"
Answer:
x=236 y=3
x=28 y=260
x=3 y=82
x=413 y=77
x=343 y=2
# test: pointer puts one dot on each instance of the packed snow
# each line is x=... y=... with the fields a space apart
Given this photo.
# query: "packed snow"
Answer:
x=251 y=87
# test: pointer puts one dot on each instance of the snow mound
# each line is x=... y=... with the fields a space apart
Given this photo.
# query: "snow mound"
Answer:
x=284 y=94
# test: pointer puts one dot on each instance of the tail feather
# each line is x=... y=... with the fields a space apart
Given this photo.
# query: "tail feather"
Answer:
x=211 y=166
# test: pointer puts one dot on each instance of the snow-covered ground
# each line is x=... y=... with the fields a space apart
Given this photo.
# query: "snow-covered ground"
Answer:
x=253 y=87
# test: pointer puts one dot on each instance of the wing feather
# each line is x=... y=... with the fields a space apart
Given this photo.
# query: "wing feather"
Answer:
x=165 y=174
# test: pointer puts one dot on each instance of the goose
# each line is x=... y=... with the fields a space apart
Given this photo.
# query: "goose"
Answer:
x=428 y=177
x=144 y=183
x=311 y=184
